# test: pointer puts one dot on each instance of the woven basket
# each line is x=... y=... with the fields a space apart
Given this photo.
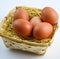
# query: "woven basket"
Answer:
x=29 y=44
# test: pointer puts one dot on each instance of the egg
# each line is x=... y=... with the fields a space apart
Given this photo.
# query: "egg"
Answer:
x=22 y=27
x=49 y=15
x=21 y=13
x=42 y=30
x=35 y=20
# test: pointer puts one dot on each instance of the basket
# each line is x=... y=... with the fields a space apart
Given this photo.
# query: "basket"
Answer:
x=12 y=41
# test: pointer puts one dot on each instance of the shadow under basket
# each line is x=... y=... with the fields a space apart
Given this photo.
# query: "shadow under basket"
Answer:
x=12 y=41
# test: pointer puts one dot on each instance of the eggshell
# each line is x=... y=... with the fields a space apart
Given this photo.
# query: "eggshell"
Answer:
x=22 y=27
x=42 y=30
x=49 y=15
x=21 y=13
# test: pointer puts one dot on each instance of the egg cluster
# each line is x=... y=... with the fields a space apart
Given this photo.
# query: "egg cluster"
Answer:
x=38 y=27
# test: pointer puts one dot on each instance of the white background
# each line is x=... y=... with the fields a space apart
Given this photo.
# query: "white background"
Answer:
x=53 y=52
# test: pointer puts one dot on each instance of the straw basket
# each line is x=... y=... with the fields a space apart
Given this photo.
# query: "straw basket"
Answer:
x=12 y=41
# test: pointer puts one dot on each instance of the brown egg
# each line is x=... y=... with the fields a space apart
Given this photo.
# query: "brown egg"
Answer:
x=35 y=20
x=42 y=30
x=22 y=27
x=21 y=13
x=49 y=15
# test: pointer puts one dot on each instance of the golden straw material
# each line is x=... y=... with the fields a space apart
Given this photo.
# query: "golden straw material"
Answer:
x=29 y=44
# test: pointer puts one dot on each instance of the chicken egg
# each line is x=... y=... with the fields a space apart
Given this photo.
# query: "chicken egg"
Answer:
x=21 y=13
x=42 y=30
x=35 y=20
x=22 y=27
x=49 y=15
